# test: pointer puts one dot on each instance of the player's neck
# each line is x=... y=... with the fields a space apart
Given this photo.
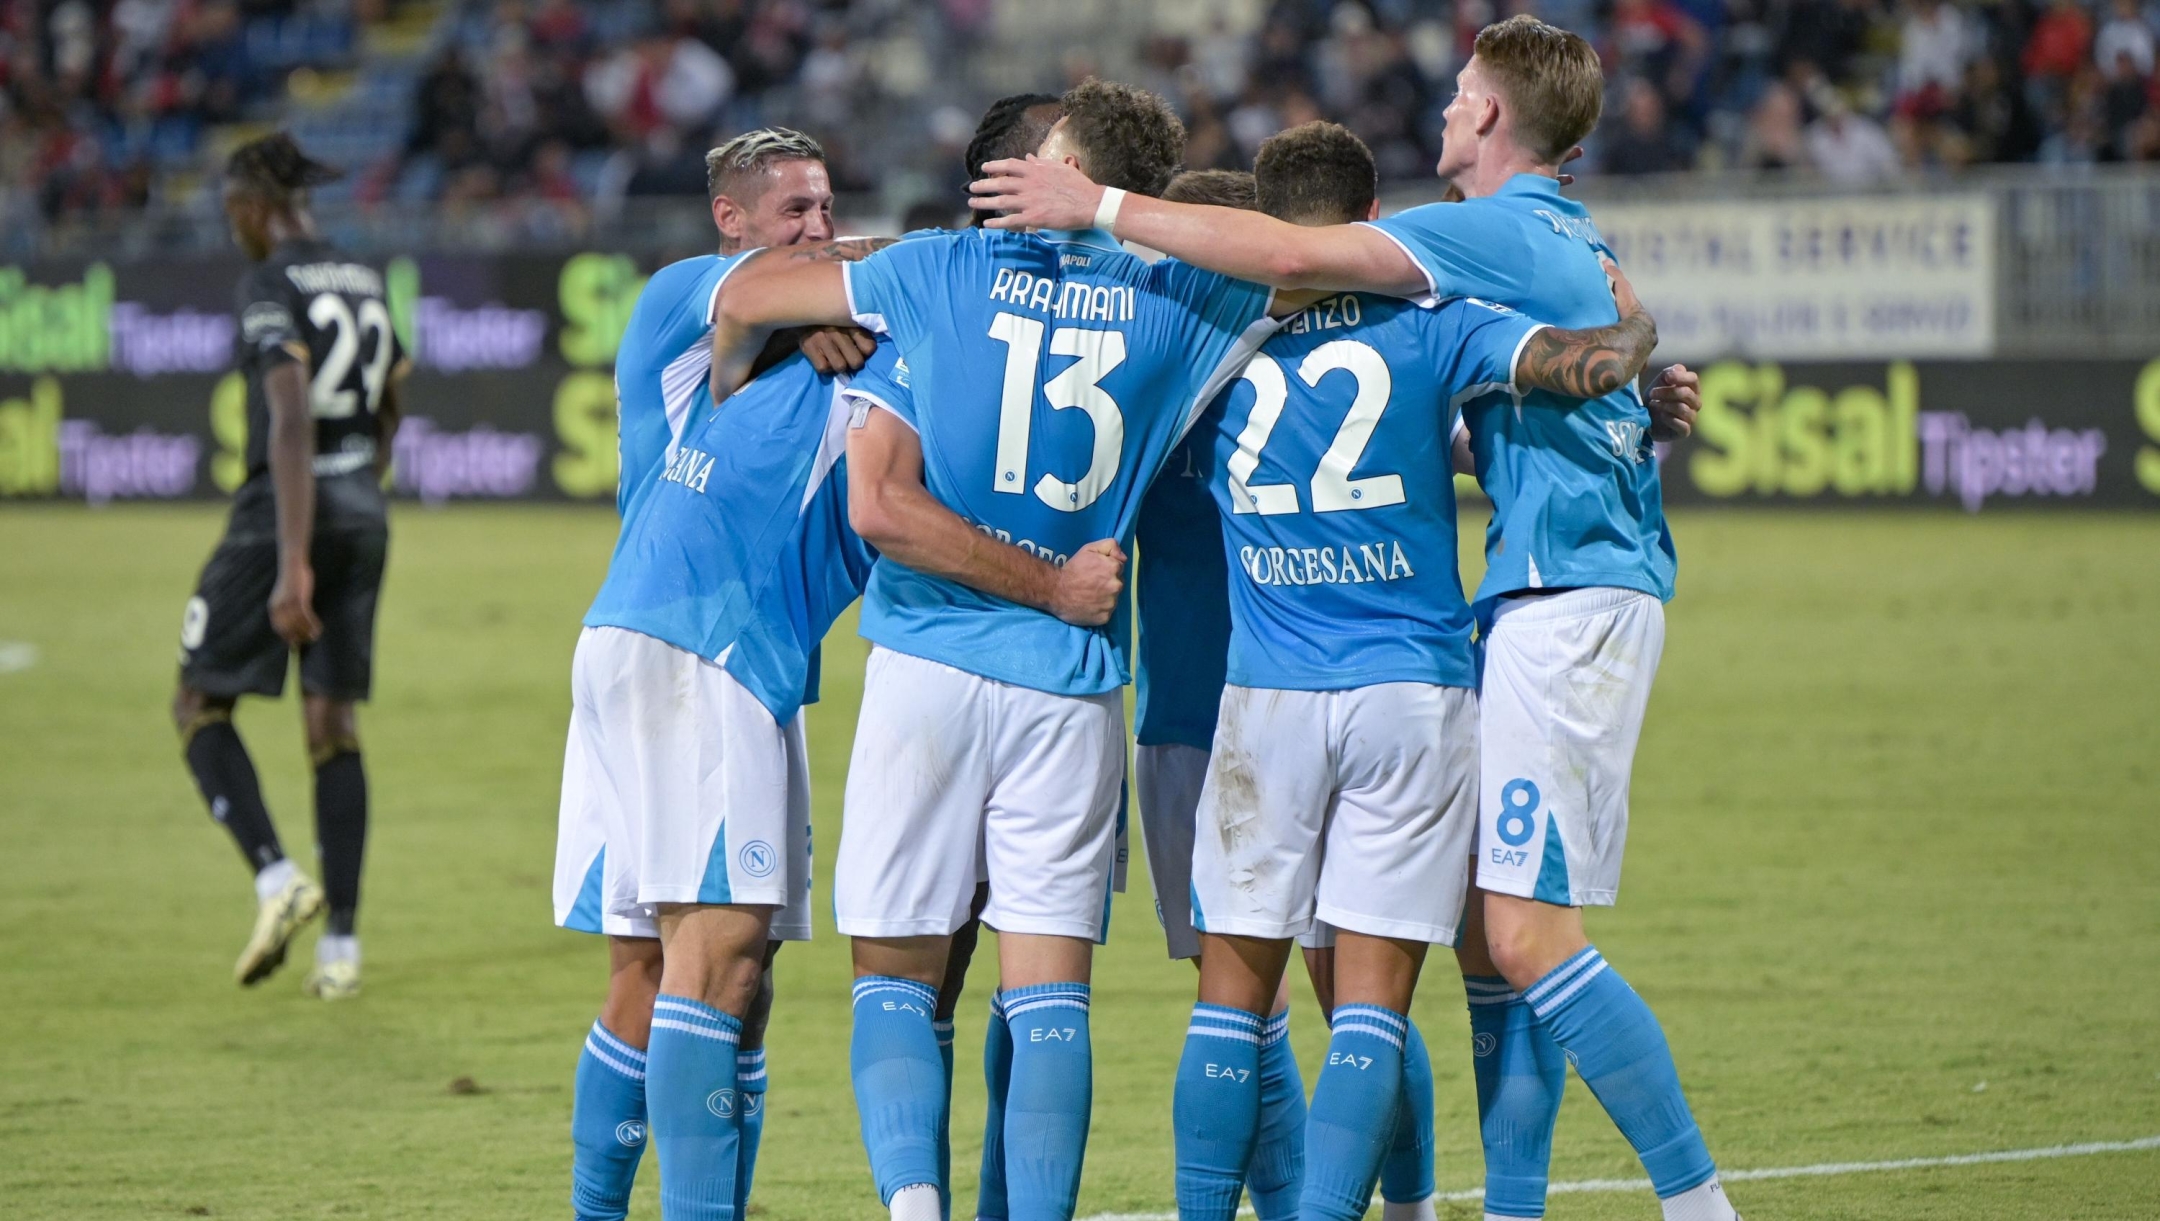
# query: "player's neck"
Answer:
x=1496 y=167
x=291 y=227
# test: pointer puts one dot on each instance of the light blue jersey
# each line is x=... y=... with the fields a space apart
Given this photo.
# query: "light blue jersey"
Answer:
x=1330 y=459
x=740 y=550
x=1574 y=485
x=1182 y=588
x=662 y=367
x=1054 y=373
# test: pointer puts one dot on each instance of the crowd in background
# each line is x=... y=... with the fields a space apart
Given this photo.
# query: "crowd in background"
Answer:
x=110 y=104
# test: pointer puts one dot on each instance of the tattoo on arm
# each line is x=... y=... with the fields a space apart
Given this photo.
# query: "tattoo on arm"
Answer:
x=1590 y=363
x=848 y=251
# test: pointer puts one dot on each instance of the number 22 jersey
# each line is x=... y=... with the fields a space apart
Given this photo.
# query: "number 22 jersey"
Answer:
x=1052 y=375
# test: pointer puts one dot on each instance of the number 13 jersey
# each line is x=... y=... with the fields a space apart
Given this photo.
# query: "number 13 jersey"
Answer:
x=1330 y=460
x=308 y=303
x=1051 y=375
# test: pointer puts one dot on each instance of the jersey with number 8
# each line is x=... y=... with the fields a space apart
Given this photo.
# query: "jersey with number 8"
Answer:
x=1052 y=374
x=1330 y=461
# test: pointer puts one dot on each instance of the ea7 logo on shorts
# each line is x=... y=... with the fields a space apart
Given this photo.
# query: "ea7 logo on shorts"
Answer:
x=1054 y=1034
x=721 y=1103
x=759 y=859
x=1230 y=1073
x=1349 y=1059
x=630 y=1134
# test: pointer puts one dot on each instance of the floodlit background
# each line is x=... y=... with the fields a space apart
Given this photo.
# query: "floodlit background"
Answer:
x=1892 y=880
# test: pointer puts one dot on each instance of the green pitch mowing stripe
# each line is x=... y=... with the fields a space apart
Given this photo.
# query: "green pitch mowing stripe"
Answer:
x=2087 y=1149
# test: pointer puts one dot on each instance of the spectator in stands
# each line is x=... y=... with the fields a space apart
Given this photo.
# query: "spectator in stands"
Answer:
x=2058 y=45
x=1849 y=149
x=2125 y=33
x=1933 y=47
x=1774 y=140
x=1644 y=143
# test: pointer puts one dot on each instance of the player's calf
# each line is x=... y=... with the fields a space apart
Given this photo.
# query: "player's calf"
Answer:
x=341 y=822
x=607 y=1115
x=1521 y=1075
x=1216 y=1108
x=715 y=956
x=898 y=1068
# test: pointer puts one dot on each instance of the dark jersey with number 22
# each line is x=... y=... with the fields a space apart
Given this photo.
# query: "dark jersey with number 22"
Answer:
x=306 y=301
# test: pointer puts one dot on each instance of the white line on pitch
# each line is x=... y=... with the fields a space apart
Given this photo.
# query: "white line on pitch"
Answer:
x=2086 y=1149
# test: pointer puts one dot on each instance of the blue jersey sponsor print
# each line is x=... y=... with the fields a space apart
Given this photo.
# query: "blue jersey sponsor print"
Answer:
x=740 y=549
x=1182 y=590
x=1052 y=373
x=1330 y=462
x=1576 y=498
x=662 y=367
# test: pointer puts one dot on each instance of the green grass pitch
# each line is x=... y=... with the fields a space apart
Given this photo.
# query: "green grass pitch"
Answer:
x=1893 y=888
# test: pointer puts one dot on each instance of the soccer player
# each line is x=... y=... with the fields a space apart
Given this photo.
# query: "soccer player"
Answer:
x=990 y=731
x=768 y=188
x=301 y=562
x=1579 y=560
x=1343 y=779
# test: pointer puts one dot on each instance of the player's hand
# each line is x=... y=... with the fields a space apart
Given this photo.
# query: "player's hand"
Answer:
x=837 y=349
x=1674 y=398
x=1035 y=194
x=1623 y=293
x=1567 y=179
x=1089 y=584
x=292 y=605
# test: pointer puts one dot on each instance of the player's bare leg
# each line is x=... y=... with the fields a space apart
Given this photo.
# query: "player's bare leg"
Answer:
x=1521 y=1074
x=750 y=1082
x=710 y=978
x=997 y=1069
x=286 y=899
x=341 y=822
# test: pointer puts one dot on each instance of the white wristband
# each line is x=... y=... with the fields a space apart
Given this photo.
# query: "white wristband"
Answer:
x=1106 y=212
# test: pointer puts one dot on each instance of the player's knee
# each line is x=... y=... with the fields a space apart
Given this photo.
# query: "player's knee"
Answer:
x=192 y=710
x=332 y=730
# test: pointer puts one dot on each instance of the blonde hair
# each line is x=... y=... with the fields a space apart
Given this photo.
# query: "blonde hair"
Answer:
x=755 y=152
x=1550 y=78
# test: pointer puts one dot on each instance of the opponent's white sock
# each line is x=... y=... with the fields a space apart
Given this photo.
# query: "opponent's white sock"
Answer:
x=333 y=948
x=271 y=878
x=1498 y=1217
x=1407 y=1210
x=916 y=1203
x=1704 y=1203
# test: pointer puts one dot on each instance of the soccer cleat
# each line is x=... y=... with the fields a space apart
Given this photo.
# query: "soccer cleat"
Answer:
x=336 y=980
x=279 y=917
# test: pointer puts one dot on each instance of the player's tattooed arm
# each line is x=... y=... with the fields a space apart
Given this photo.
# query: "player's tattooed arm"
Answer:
x=846 y=250
x=892 y=510
x=1594 y=362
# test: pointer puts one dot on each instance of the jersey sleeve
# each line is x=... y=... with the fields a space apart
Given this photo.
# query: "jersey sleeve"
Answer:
x=269 y=321
x=1464 y=249
x=886 y=291
x=883 y=382
x=1485 y=341
x=1227 y=320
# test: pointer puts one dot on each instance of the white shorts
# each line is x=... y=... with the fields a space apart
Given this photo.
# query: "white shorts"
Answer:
x=699 y=796
x=1567 y=678
x=1355 y=807
x=1168 y=778
x=953 y=772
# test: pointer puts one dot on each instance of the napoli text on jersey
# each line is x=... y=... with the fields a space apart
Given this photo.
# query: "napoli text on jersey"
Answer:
x=662 y=367
x=1181 y=589
x=1053 y=373
x=1576 y=498
x=739 y=549
x=1331 y=466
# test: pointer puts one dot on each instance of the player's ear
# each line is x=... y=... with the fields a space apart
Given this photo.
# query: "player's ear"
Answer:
x=1372 y=210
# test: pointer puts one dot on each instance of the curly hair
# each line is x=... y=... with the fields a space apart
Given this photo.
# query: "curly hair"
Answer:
x=1127 y=137
x=1316 y=173
x=275 y=168
x=729 y=167
x=1222 y=188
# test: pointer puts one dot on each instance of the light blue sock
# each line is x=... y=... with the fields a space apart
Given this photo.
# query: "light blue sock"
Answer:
x=1406 y=1173
x=1215 y=1110
x=1352 y=1120
x=750 y=1106
x=1047 y=1104
x=607 y=1126
x=997 y=1078
x=899 y=1081
x=1620 y=1052
x=943 y=1029
x=1276 y=1173
x=690 y=1091
x=1521 y=1074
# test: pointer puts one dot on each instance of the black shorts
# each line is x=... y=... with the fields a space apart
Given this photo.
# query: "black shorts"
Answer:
x=228 y=648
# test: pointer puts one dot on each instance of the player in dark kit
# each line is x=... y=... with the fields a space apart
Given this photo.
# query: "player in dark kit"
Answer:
x=302 y=558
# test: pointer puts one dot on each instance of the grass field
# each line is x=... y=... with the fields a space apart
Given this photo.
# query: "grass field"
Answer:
x=1894 y=889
